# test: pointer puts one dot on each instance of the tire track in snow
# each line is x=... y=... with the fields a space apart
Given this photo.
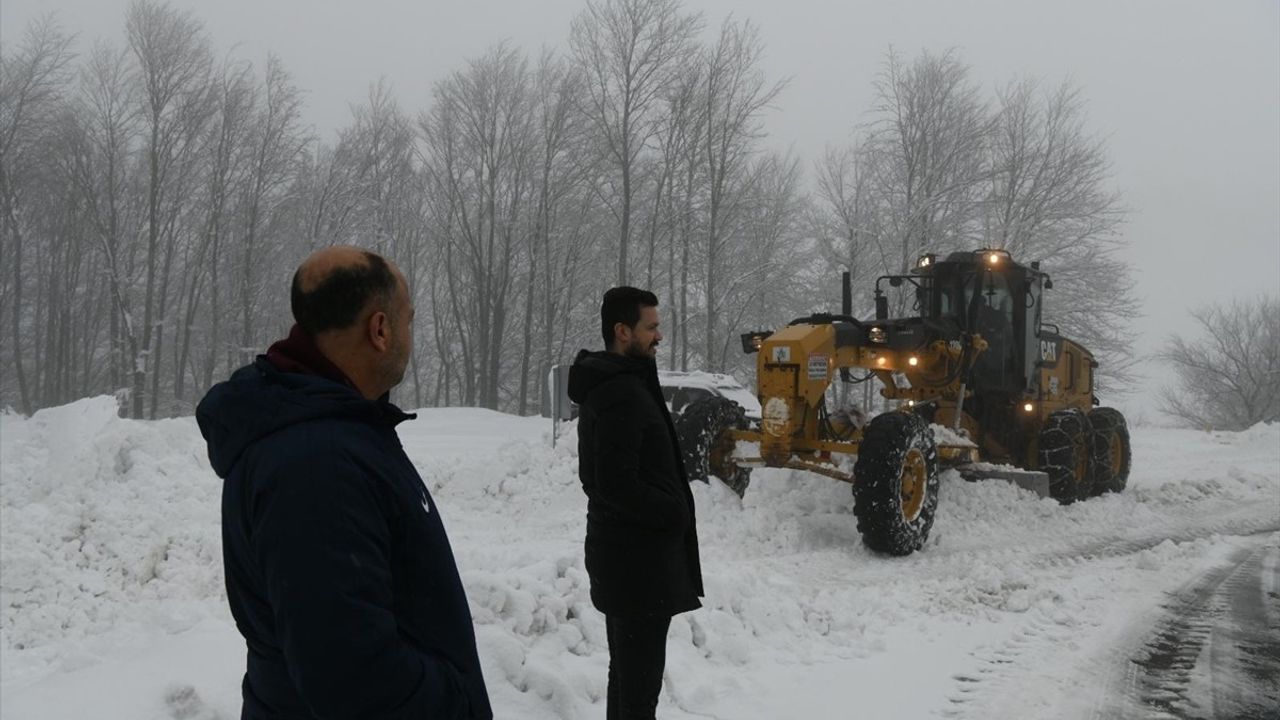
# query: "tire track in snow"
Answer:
x=1056 y=553
x=1244 y=524
x=1001 y=662
x=1217 y=653
x=1247 y=646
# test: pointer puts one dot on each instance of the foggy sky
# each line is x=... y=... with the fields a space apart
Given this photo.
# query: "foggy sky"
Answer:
x=1186 y=93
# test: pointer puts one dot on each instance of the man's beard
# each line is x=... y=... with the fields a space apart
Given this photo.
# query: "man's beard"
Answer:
x=640 y=351
x=393 y=371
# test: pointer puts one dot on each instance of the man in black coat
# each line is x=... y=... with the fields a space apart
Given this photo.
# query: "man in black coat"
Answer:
x=642 y=543
x=339 y=573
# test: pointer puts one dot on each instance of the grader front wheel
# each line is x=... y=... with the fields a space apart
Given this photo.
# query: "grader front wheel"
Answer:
x=895 y=490
x=704 y=443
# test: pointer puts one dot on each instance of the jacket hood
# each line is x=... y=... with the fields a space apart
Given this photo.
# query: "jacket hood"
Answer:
x=590 y=370
x=259 y=400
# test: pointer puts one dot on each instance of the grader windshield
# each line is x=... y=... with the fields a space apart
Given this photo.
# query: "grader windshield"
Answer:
x=986 y=292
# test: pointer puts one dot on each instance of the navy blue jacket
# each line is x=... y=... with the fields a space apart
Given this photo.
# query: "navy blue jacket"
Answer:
x=339 y=573
x=641 y=550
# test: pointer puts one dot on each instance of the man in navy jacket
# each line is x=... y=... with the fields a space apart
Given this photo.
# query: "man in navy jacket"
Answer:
x=339 y=573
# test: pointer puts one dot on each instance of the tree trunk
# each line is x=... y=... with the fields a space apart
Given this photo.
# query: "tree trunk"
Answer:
x=16 y=328
x=624 y=237
x=142 y=363
x=528 y=334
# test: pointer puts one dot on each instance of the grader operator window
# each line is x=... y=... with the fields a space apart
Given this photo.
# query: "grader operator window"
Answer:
x=989 y=311
x=954 y=296
x=995 y=303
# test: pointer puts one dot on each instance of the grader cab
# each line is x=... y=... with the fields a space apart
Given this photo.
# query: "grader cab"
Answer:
x=983 y=386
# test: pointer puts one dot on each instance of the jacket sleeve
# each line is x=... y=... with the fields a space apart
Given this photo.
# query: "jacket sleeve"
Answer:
x=619 y=486
x=323 y=545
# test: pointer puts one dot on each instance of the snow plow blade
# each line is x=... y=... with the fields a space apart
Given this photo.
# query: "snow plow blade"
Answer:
x=1033 y=480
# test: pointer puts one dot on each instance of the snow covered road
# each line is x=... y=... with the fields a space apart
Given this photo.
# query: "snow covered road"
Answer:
x=1216 y=651
x=1161 y=602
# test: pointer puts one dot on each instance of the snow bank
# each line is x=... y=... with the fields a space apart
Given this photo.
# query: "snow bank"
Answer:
x=113 y=604
x=104 y=523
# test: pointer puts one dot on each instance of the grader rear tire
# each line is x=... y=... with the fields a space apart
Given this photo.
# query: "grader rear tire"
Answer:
x=1112 y=453
x=895 y=489
x=704 y=446
x=1065 y=453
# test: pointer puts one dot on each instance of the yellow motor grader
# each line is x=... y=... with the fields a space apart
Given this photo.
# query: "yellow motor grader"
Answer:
x=983 y=385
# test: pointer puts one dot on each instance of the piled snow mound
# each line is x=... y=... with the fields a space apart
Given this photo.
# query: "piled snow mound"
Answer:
x=104 y=522
x=1261 y=435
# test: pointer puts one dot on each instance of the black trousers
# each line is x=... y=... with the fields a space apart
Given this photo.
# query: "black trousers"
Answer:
x=637 y=656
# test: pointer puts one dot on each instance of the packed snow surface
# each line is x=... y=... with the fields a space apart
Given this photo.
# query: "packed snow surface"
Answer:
x=113 y=604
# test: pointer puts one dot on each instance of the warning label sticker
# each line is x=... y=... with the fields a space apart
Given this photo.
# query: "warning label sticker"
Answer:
x=818 y=367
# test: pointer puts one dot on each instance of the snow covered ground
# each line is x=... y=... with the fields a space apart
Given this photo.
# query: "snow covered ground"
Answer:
x=113 y=608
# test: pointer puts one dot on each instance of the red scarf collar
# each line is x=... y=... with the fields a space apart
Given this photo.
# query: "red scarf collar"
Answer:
x=298 y=353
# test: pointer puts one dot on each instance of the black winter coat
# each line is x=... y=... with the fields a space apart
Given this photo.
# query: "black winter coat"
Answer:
x=642 y=539
x=338 y=570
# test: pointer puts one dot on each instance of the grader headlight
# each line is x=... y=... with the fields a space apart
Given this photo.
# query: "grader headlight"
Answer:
x=752 y=341
x=878 y=335
x=994 y=256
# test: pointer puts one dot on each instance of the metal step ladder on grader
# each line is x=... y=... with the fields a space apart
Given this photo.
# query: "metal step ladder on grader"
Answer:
x=985 y=387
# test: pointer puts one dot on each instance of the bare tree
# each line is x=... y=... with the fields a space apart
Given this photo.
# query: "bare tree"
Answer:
x=387 y=191
x=930 y=131
x=325 y=196
x=1049 y=200
x=109 y=118
x=173 y=75
x=847 y=218
x=1229 y=377
x=480 y=140
x=31 y=84
x=81 y=209
x=630 y=51
x=735 y=94
x=680 y=153
x=62 y=288
x=766 y=279
x=228 y=161
x=552 y=258
x=1049 y=175
x=277 y=144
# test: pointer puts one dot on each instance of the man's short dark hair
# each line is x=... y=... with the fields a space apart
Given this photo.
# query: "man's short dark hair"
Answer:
x=338 y=301
x=623 y=305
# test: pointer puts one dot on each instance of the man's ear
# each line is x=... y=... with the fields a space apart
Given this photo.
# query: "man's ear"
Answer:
x=380 y=330
x=621 y=334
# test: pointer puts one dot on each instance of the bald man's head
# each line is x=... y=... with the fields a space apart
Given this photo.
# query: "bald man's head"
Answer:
x=335 y=287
